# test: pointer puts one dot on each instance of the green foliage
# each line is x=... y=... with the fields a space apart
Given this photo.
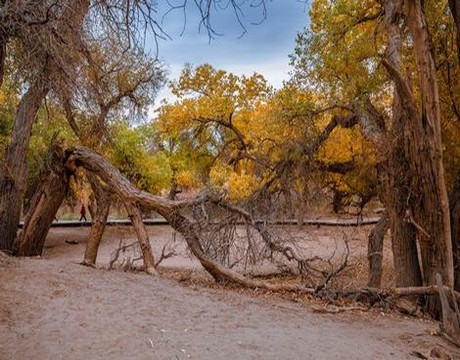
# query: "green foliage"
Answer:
x=50 y=122
x=130 y=153
x=339 y=55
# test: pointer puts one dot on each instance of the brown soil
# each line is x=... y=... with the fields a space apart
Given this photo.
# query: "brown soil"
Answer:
x=53 y=308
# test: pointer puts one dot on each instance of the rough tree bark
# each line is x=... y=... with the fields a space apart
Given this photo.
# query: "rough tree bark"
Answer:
x=375 y=251
x=428 y=208
x=395 y=178
x=450 y=325
x=392 y=192
x=426 y=151
x=454 y=204
x=54 y=182
x=454 y=196
x=134 y=214
x=13 y=173
x=99 y=215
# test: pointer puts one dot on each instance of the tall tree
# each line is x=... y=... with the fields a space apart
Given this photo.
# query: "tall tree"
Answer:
x=44 y=31
x=334 y=59
x=394 y=178
x=432 y=207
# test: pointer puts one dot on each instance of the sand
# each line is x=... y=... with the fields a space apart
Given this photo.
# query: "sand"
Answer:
x=53 y=308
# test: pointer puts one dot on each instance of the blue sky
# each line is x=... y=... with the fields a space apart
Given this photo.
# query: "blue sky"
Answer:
x=264 y=48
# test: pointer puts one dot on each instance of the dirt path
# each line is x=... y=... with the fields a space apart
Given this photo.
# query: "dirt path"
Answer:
x=53 y=308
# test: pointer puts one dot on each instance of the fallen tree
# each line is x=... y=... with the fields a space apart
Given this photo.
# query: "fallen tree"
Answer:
x=180 y=216
x=190 y=226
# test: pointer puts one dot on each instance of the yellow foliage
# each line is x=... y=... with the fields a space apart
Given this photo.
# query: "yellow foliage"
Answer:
x=219 y=174
x=342 y=145
x=242 y=186
x=187 y=179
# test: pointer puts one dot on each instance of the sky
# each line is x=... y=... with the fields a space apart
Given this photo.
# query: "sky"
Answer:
x=263 y=48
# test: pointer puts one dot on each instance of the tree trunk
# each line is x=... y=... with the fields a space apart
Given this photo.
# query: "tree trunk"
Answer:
x=454 y=204
x=454 y=6
x=403 y=234
x=99 y=215
x=375 y=251
x=429 y=212
x=394 y=177
x=136 y=219
x=174 y=190
x=454 y=196
x=13 y=174
x=45 y=202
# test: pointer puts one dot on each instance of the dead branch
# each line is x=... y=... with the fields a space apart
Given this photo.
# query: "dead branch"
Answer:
x=334 y=273
x=116 y=253
x=422 y=290
x=410 y=219
x=336 y=309
x=127 y=263
x=166 y=253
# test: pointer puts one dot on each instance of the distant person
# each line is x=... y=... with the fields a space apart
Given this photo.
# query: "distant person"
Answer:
x=83 y=212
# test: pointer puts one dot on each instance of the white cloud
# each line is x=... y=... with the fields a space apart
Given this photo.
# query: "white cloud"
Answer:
x=263 y=49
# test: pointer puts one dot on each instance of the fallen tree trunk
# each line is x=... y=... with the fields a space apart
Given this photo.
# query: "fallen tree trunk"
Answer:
x=171 y=211
x=400 y=292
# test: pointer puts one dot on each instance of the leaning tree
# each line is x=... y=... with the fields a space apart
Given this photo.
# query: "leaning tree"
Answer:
x=48 y=41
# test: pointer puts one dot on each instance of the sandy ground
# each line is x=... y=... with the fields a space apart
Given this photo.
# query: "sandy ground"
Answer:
x=54 y=308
